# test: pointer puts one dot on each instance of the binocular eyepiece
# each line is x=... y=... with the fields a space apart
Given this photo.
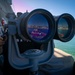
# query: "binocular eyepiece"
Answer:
x=41 y=26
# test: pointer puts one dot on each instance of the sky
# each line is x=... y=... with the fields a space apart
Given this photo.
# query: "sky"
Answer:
x=56 y=7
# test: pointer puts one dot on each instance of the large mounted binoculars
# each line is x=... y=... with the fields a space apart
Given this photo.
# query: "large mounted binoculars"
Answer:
x=41 y=27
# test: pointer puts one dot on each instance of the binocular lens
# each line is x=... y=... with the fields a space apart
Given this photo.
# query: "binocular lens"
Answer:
x=38 y=27
x=63 y=28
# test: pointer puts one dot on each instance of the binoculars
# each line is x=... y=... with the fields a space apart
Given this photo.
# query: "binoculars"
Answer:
x=41 y=27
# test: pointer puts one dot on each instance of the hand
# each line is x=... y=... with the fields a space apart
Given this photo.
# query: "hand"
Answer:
x=1 y=41
x=4 y=38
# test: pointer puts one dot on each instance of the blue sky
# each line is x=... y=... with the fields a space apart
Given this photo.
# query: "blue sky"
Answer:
x=56 y=7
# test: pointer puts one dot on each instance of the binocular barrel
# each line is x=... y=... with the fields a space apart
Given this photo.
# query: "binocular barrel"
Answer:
x=38 y=26
x=64 y=27
x=41 y=26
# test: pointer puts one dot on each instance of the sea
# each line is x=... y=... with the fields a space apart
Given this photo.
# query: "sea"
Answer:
x=68 y=47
